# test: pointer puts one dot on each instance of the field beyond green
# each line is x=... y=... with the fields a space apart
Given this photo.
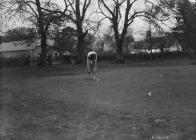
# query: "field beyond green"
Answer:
x=62 y=103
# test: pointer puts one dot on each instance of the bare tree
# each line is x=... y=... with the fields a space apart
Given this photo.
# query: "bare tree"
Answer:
x=122 y=13
x=40 y=13
x=105 y=38
x=185 y=29
x=1 y=16
x=77 y=14
x=4 y=15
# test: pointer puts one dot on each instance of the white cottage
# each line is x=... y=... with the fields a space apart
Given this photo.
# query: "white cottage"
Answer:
x=18 y=49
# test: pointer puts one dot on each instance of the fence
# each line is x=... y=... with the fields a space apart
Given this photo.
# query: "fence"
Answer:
x=144 y=56
x=12 y=61
x=101 y=57
x=22 y=61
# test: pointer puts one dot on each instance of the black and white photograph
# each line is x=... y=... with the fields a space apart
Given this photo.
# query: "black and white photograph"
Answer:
x=97 y=69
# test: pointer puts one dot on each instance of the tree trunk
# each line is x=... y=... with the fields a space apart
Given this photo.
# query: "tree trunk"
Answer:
x=119 y=42
x=80 y=49
x=119 y=51
x=81 y=42
x=43 y=56
x=43 y=35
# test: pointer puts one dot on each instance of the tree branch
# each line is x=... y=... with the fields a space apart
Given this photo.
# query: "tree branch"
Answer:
x=85 y=7
x=105 y=5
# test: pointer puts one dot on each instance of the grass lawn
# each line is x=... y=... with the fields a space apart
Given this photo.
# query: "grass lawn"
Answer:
x=62 y=103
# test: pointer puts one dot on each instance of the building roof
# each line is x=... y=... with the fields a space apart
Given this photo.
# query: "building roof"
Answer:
x=21 y=45
x=14 y=46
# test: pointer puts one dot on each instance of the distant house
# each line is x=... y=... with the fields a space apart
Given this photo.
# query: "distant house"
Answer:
x=165 y=43
x=22 y=48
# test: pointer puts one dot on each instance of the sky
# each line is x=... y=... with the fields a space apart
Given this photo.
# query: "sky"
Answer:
x=139 y=27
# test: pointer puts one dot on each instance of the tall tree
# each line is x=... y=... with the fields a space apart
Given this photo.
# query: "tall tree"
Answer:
x=122 y=13
x=41 y=13
x=77 y=14
x=186 y=24
x=65 y=40
x=104 y=39
x=21 y=33
x=184 y=12
x=89 y=40
x=3 y=16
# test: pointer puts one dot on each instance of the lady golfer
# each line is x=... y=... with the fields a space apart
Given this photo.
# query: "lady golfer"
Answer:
x=92 y=63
